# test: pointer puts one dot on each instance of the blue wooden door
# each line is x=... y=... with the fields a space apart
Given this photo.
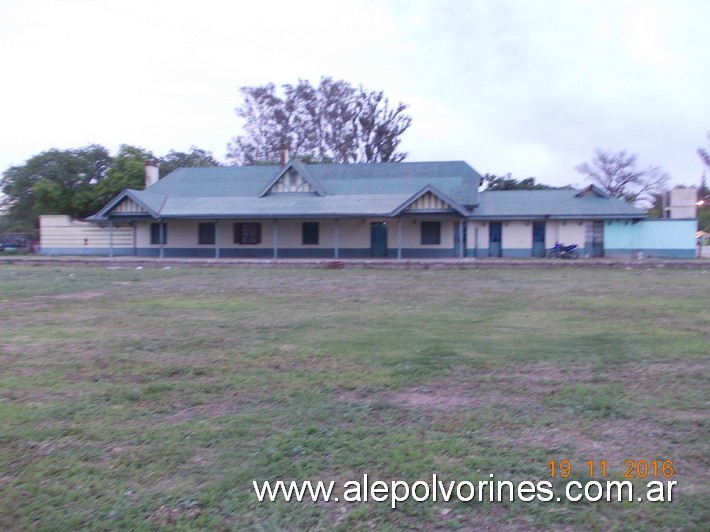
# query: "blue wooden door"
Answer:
x=495 y=239
x=378 y=239
x=538 y=240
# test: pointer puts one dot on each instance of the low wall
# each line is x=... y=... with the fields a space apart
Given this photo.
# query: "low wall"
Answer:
x=650 y=238
x=60 y=235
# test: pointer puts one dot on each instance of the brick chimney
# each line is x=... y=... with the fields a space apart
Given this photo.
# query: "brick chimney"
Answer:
x=152 y=172
x=284 y=156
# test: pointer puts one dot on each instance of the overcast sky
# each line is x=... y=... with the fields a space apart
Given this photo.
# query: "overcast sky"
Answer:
x=529 y=87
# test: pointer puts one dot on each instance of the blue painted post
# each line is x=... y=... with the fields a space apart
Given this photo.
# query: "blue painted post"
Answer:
x=276 y=238
x=475 y=243
x=461 y=242
x=399 y=238
x=336 y=239
x=216 y=239
x=135 y=245
x=110 y=240
x=162 y=237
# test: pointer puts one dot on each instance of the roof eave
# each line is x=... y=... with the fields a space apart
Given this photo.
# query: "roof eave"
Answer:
x=300 y=216
x=513 y=217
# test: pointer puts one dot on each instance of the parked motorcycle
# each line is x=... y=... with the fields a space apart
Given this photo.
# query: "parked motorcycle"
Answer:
x=560 y=251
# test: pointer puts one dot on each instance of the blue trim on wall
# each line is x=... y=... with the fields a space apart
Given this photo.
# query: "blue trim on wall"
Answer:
x=306 y=253
x=147 y=252
x=246 y=253
x=588 y=250
x=190 y=252
x=649 y=253
x=87 y=251
x=345 y=253
x=519 y=253
x=423 y=253
x=356 y=253
x=480 y=253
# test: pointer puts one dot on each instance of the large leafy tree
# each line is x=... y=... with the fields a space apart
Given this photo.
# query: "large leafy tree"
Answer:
x=507 y=182
x=193 y=158
x=704 y=206
x=704 y=219
x=618 y=174
x=126 y=171
x=330 y=122
x=79 y=182
x=54 y=182
x=704 y=154
x=704 y=194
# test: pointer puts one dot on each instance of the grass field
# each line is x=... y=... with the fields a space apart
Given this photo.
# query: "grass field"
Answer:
x=139 y=399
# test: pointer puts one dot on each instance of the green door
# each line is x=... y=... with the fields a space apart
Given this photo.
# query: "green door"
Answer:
x=378 y=239
x=538 y=239
x=495 y=239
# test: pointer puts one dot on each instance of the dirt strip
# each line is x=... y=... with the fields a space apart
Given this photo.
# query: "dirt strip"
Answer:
x=390 y=264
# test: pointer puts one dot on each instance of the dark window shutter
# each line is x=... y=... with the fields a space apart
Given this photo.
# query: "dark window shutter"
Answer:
x=431 y=233
x=310 y=233
x=155 y=234
x=237 y=233
x=205 y=234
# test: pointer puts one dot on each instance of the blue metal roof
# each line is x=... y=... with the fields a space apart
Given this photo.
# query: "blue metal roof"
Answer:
x=384 y=189
x=554 y=203
x=340 y=190
x=454 y=178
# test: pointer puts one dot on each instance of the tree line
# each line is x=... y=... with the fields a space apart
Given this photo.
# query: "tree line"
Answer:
x=78 y=182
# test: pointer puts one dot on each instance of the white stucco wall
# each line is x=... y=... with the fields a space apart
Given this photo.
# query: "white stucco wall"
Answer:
x=482 y=240
x=352 y=233
x=355 y=233
x=412 y=233
x=59 y=232
x=566 y=232
x=517 y=235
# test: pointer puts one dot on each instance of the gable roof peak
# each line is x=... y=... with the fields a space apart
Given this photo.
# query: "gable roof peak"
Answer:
x=147 y=201
x=445 y=202
x=592 y=190
x=313 y=185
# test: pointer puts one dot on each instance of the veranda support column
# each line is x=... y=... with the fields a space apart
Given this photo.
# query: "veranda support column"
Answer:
x=135 y=242
x=335 y=230
x=216 y=239
x=462 y=244
x=276 y=238
x=110 y=240
x=161 y=228
x=399 y=238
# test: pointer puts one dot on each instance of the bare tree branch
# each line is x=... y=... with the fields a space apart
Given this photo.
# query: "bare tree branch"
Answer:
x=617 y=174
x=705 y=155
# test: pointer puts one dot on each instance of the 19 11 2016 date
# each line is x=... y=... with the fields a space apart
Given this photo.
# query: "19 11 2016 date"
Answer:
x=632 y=469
